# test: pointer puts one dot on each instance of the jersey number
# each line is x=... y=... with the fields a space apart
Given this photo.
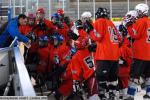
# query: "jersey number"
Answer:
x=113 y=35
x=148 y=35
x=88 y=61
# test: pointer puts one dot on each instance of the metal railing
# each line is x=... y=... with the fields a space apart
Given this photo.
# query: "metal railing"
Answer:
x=22 y=83
x=15 y=69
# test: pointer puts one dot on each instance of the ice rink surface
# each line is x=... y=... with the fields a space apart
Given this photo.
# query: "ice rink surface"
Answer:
x=139 y=95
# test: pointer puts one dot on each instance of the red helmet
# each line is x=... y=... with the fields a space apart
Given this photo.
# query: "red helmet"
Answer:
x=81 y=42
x=60 y=11
x=40 y=10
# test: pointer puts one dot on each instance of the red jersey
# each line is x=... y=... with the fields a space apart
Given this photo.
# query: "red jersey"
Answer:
x=25 y=29
x=43 y=64
x=62 y=52
x=49 y=28
x=106 y=36
x=81 y=65
x=140 y=32
x=82 y=33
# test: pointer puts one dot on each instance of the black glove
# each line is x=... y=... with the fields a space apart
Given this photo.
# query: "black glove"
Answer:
x=72 y=35
x=92 y=47
x=131 y=39
x=32 y=36
x=123 y=29
x=88 y=26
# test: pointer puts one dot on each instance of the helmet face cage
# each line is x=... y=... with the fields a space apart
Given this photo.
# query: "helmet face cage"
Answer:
x=86 y=18
x=31 y=22
x=130 y=17
x=40 y=14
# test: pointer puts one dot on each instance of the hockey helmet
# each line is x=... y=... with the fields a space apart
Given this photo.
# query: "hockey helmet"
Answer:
x=101 y=13
x=40 y=10
x=86 y=15
x=60 y=11
x=142 y=9
x=130 y=17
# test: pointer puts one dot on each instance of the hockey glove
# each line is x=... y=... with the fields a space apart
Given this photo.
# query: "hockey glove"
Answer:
x=31 y=36
x=72 y=35
x=123 y=30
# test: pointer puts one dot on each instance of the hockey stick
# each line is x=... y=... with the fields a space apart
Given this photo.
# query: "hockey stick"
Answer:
x=13 y=42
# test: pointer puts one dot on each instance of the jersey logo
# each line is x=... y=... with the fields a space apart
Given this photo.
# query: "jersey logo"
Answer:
x=113 y=35
x=88 y=61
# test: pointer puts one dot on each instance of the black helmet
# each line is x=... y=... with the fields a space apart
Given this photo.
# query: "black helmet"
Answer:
x=102 y=13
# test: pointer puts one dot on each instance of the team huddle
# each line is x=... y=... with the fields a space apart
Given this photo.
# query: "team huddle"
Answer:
x=87 y=59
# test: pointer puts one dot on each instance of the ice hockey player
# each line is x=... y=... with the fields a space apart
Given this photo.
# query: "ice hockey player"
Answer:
x=60 y=26
x=43 y=55
x=125 y=59
x=82 y=68
x=60 y=56
x=44 y=25
x=139 y=31
x=107 y=54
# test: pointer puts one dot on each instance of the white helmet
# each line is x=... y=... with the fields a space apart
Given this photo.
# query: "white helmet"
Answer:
x=130 y=17
x=131 y=13
x=86 y=15
x=142 y=9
